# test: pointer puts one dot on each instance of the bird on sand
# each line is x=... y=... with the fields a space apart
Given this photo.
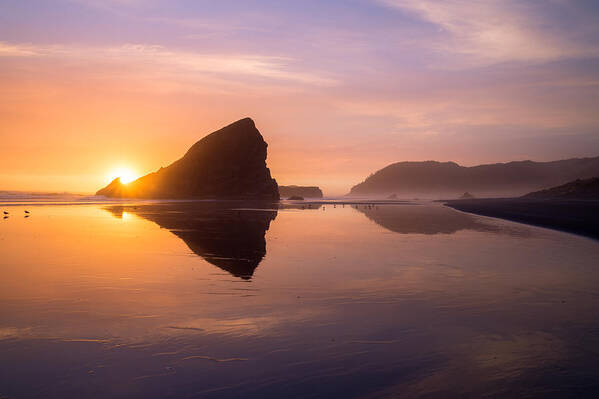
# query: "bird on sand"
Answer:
x=6 y=213
x=26 y=211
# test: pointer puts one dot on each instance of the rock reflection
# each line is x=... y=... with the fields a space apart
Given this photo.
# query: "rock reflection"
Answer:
x=230 y=236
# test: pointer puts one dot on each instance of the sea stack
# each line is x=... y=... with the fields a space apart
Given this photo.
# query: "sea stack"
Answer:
x=227 y=164
x=300 y=191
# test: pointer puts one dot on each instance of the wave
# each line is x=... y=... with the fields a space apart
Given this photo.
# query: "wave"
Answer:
x=29 y=197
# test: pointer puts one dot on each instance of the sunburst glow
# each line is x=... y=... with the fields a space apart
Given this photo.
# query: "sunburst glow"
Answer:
x=126 y=174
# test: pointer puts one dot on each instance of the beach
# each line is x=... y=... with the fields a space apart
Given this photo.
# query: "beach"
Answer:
x=227 y=299
x=574 y=216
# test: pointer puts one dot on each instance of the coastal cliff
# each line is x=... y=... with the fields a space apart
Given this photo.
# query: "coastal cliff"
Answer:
x=491 y=180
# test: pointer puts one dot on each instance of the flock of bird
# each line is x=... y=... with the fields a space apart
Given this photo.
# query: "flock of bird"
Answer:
x=366 y=206
x=6 y=213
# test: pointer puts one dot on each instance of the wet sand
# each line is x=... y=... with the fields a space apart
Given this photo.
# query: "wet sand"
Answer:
x=232 y=299
x=574 y=216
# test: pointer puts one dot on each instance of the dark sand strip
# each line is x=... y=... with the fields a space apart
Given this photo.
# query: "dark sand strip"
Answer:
x=574 y=216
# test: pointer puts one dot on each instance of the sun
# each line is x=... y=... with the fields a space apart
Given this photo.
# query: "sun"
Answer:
x=126 y=174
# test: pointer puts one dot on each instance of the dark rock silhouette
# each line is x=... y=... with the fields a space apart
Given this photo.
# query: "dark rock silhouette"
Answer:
x=578 y=189
x=295 y=198
x=300 y=191
x=449 y=178
x=467 y=195
x=229 y=238
x=227 y=164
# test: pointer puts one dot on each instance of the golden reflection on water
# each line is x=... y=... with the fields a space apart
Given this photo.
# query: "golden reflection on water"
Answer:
x=336 y=291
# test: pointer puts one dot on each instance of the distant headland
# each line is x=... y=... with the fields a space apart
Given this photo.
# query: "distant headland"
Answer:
x=432 y=178
x=580 y=189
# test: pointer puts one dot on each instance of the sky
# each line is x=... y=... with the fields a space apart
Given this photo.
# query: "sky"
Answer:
x=338 y=89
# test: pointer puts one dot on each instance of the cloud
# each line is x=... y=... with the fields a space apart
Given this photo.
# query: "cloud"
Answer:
x=16 y=50
x=110 y=4
x=493 y=31
x=237 y=66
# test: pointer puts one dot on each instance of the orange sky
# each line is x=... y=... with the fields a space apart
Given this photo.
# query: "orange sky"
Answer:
x=88 y=86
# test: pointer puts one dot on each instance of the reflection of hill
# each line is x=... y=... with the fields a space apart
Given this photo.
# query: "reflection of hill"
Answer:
x=229 y=238
x=422 y=219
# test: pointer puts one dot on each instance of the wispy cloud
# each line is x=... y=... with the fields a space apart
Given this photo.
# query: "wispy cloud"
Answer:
x=490 y=31
x=111 y=4
x=16 y=50
x=145 y=56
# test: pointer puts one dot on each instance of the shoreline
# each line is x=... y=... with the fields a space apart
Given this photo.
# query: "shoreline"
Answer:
x=573 y=216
